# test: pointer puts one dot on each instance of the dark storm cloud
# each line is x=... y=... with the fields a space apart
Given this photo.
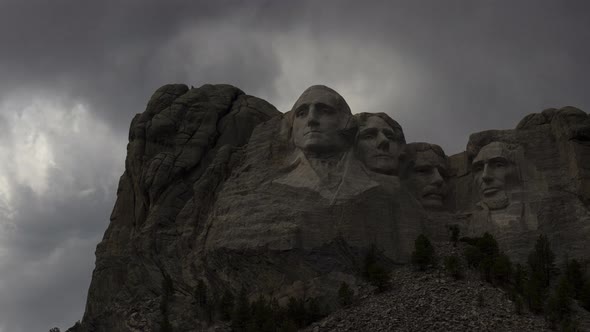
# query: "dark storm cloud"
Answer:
x=483 y=64
x=443 y=69
x=48 y=265
x=478 y=65
x=114 y=55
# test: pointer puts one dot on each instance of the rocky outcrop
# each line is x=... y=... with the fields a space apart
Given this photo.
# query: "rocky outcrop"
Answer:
x=434 y=301
x=221 y=188
x=543 y=183
x=180 y=149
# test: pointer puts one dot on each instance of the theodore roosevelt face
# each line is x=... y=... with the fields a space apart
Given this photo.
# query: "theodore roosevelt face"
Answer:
x=428 y=179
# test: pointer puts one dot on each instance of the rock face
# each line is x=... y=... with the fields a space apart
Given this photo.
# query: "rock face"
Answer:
x=517 y=184
x=433 y=301
x=222 y=188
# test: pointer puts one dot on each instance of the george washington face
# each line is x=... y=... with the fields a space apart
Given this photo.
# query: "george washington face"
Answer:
x=319 y=116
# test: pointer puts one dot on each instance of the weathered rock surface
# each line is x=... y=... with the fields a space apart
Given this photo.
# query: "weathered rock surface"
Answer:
x=546 y=184
x=179 y=150
x=221 y=187
x=433 y=301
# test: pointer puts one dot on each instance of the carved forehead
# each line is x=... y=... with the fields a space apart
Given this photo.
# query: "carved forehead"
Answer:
x=367 y=120
x=324 y=95
x=493 y=150
x=430 y=158
x=571 y=112
x=413 y=149
x=375 y=122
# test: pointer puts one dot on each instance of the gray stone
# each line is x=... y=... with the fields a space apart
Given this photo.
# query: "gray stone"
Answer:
x=222 y=188
x=544 y=188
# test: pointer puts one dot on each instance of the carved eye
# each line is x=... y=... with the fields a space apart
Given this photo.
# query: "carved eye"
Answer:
x=499 y=163
x=369 y=133
x=302 y=112
x=327 y=110
x=390 y=135
x=424 y=170
x=443 y=172
x=478 y=167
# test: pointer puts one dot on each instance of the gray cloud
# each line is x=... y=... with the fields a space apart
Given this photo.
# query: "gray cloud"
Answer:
x=47 y=268
x=113 y=56
x=442 y=69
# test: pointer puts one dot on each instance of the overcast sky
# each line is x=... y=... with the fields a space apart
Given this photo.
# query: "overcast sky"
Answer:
x=74 y=73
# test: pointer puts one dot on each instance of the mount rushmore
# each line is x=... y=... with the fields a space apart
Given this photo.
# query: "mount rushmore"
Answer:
x=220 y=187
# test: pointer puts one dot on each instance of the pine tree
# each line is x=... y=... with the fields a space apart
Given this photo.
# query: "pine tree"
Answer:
x=345 y=294
x=167 y=290
x=296 y=311
x=454 y=237
x=314 y=312
x=502 y=269
x=201 y=293
x=519 y=278
x=262 y=316
x=558 y=307
x=423 y=254
x=518 y=304
x=575 y=275
x=379 y=277
x=226 y=305
x=204 y=303
x=453 y=267
x=473 y=256
x=373 y=271
x=241 y=312
x=534 y=292
x=541 y=270
x=585 y=296
x=541 y=261
x=369 y=260
x=488 y=246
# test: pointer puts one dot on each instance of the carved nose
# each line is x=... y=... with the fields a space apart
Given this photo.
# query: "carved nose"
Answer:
x=486 y=174
x=313 y=117
x=437 y=179
x=383 y=142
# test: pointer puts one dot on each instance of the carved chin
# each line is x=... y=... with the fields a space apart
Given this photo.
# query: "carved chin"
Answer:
x=383 y=165
x=432 y=201
x=497 y=202
x=320 y=146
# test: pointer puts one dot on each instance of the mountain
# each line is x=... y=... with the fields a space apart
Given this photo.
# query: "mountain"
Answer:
x=223 y=192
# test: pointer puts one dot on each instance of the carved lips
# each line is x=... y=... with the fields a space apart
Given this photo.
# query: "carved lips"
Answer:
x=312 y=132
x=433 y=195
x=383 y=156
x=490 y=191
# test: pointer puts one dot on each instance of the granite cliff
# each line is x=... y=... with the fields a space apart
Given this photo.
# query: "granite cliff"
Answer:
x=221 y=188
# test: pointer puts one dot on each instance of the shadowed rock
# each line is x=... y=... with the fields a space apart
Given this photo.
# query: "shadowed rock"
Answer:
x=222 y=188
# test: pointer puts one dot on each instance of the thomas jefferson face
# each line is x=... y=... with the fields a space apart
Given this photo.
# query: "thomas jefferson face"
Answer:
x=492 y=169
x=378 y=146
x=427 y=179
x=319 y=116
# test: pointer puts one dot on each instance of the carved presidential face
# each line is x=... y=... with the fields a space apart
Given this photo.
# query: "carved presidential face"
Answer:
x=428 y=179
x=378 y=146
x=319 y=116
x=494 y=171
x=572 y=123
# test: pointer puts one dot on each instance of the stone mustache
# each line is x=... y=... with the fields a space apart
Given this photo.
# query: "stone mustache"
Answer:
x=221 y=187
